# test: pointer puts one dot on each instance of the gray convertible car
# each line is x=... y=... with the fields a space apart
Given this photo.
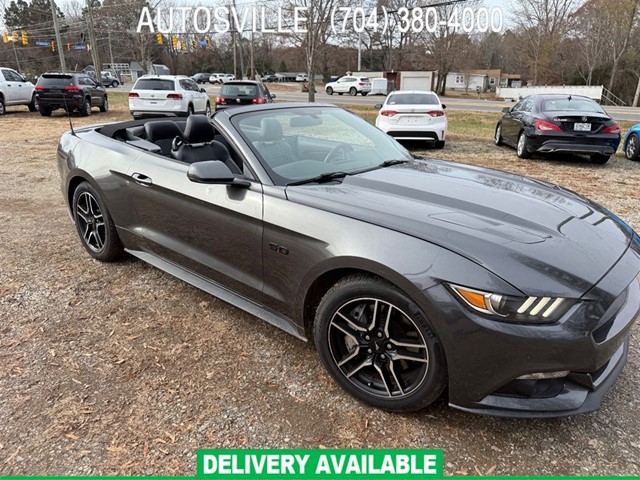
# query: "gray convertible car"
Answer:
x=412 y=276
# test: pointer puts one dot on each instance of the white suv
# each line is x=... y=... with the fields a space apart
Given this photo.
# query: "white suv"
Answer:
x=15 y=90
x=221 y=78
x=349 y=84
x=157 y=95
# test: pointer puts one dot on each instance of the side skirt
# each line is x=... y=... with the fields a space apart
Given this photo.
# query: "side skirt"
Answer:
x=220 y=292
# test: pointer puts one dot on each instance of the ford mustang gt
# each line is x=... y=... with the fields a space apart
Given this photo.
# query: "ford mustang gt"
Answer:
x=412 y=276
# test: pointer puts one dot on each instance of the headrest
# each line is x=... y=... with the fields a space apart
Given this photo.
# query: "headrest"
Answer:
x=198 y=129
x=270 y=129
x=162 y=130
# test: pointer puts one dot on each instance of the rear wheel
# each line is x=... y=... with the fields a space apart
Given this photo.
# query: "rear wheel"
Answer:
x=2 y=109
x=329 y=91
x=95 y=228
x=523 y=149
x=632 y=150
x=498 y=136
x=33 y=105
x=105 y=104
x=439 y=145
x=599 y=159
x=85 y=111
x=115 y=83
x=353 y=92
x=364 y=94
x=378 y=345
x=45 y=112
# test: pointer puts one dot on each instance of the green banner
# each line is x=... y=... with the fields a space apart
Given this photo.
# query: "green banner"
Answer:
x=319 y=464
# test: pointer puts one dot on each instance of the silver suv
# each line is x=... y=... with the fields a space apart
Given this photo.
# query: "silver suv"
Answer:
x=15 y=90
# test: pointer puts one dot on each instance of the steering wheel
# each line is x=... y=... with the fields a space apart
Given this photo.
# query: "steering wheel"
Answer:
x=339 y=152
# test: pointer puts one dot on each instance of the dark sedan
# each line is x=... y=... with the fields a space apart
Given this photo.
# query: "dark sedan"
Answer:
x=411 y=276
x=237 y=93
x=559 y=123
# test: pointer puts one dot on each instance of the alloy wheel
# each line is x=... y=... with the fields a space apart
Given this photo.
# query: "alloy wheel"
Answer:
x=632 y=147
x=378 y=348
x=91 y=222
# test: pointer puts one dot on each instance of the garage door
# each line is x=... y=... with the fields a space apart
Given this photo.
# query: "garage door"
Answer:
x=416 y=83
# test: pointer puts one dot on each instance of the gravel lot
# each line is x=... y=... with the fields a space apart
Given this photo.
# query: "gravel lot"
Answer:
x=121 y=369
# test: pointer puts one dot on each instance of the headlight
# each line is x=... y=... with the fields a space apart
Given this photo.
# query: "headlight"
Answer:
x=514 y=309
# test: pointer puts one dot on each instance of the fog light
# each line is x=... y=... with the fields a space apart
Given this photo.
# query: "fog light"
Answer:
x=543 y=375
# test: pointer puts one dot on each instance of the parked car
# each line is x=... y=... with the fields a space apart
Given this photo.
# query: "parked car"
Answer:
x=167 y=95
x=71 y=92
x=221 y=78
x=236 y=93
x=109 y=79
x=201 y=77
x=270 y=77
x=559 y=123
x=411 y=276
x=413 y=115
x=632 y=143
x=302 y=77
x=350 y=85
x=15 y=90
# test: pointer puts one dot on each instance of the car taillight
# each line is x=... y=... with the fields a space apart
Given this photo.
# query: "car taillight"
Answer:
x=437 y=113
x=259 y=100
x=72 y=89
x=221 y=101
x=174 y=96
x=133 y=95
x=39 y=88
x=361 y=84
x=615 y=129
x=547 y=126
x=388 y=113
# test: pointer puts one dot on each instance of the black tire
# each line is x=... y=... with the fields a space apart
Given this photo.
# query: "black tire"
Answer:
x=340 y=93
x=599 y=159
x=497 y=138
x=105 y=104
x=85 y=111
x=33 y=105
x=329 y=91
x=44 y=111
x=393 y=380
x=353 y=92
x=439 y=144
x=3 y=110
x=115 y=84
x=632 y=149
x=522 y=150
x=190 y=110
x=94 y=225
x=364 y=94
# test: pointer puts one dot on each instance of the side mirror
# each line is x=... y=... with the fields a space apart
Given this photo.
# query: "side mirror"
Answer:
x=202 y=90
x=213 y=172
x=444 y=107
x=273 y=95
x=506 y=110
x=377 y=106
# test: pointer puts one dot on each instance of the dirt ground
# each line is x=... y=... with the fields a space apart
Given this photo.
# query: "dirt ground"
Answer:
x=121 y=369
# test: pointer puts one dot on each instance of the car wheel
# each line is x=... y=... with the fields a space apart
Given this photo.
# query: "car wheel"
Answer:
x=115 y=84
x=45 y=112
x=33 y=105
x=329 y=91
x=339 y=93
x=439 y=145
x=105 y=105
x=190 y=110
x=498 y=136
x=364 y=94
x=599 y=159
x=207 y=110
x=377 y=344
x=2 y=109
x=632 y=151
x=85 y=111
x=94 y=225
x=353 y=92
x=522 y=149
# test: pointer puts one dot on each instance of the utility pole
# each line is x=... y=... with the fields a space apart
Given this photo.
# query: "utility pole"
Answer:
x=110 y=50
x=15 y=52
x=252 y=68
x=63 y=65
x=94 y=46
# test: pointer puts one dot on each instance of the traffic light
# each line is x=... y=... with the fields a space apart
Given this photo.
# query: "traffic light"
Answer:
x=159 y=39
x=5 y=37
x=194 y=43
x=183 y=47
x=208 y=42
x=53 y=45
x=174 y=42
x=25 y=38
x=14 y=37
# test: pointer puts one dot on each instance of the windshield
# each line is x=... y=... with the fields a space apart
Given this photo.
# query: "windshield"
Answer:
x=571 y=105
x=301 y=143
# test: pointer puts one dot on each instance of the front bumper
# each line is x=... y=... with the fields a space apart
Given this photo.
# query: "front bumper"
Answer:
x=485 y=358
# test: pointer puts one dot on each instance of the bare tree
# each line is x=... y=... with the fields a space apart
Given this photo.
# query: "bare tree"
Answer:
x=621 y=17
x=590 y=31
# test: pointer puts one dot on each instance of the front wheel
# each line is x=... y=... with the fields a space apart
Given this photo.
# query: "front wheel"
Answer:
x=105 y=105
x=85 y=111
x=33 y=105
x=439 y=145
x=498 y=136
x=94 y=225
x=632 y=150
x=115 y=83
x=353 y=92
x=378 y=345
x=599 y=159
x=523 y=148
x=329 y=91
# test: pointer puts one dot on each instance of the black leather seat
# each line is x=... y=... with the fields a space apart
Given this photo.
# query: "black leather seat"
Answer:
x=272 y=146
x=198 y=144
x=162 y=134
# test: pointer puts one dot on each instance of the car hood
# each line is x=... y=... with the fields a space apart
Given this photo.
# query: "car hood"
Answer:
x=542 y=239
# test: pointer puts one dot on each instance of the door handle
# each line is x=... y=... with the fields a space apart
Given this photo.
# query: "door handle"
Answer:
x=142 y=179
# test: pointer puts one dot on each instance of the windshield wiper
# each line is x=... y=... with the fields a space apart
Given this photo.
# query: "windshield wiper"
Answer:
x=325 y=177
x=391 y=163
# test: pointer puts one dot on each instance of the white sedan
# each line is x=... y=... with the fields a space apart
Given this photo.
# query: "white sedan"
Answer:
x=161 y=95
x=413 y=115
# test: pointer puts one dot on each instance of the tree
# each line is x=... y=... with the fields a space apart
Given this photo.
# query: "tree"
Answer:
x=621 y=17
x=590 y=31
x=21 y=14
